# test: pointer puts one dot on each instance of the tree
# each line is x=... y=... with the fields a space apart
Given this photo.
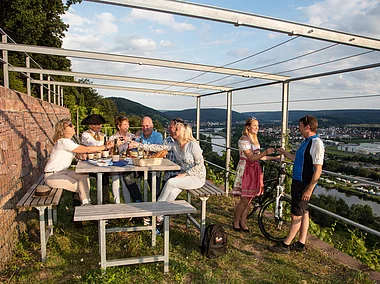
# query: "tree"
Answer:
x=35 y=22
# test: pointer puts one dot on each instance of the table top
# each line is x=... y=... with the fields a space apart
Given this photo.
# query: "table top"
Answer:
x=86 y=167
x=142 y=209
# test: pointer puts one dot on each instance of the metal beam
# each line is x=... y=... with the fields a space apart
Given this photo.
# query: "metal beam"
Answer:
x=97 y=86
x=117 y=78
x=139 y=60
x=249 y=20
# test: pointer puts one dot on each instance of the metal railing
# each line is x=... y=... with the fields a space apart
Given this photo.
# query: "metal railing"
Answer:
x=319 y=209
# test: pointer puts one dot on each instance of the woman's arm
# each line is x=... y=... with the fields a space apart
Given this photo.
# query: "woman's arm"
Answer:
x=199 y=165
x=151 y=147
x=91 y=149
x=260 y=156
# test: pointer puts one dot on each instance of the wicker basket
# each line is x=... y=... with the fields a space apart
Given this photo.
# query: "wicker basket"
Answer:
x=147 y=162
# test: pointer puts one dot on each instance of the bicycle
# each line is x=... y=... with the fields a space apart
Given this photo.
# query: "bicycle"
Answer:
x=274 y=216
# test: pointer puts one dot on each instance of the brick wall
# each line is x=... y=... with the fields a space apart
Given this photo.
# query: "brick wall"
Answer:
x=26 y=129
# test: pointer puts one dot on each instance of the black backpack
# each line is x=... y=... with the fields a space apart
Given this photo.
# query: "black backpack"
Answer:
x=214 y=241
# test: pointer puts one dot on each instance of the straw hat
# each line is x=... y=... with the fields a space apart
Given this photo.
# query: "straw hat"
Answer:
x=93 y=119
x=42 y=191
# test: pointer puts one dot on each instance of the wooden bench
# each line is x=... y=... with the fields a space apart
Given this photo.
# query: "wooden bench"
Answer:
x=104 y=212
x=41 y=203
x=203 y=194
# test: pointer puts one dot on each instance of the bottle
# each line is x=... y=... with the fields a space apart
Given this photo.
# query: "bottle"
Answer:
x=116 y=153
x=105 y=152
x=140 y=151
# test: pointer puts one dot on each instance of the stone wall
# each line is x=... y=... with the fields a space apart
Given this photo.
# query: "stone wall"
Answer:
x=26 y=130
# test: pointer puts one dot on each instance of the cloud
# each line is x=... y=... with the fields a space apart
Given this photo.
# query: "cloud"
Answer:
x=143 y=44
x=74 y=19
x=238 y=53
x=105 y=23
x=359 y=17
x=166 y=43
x=160 y=18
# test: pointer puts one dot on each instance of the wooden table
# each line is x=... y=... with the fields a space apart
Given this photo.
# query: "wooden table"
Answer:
x=86 y=167
x=105 y=212
x=167 y=165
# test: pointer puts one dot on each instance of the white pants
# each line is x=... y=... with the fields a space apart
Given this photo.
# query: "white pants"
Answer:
x=70 y=181
x=175 y=185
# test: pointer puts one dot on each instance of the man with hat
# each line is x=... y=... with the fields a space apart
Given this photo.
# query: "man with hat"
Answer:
x=93 y=137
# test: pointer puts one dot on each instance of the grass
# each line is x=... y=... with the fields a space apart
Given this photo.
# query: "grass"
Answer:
x=333 y=150
x=73 y=255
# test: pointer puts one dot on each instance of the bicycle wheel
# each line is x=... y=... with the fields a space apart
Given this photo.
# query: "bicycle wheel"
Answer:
x=274 y=222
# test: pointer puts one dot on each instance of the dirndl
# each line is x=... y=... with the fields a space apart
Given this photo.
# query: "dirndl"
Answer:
x=252 y=180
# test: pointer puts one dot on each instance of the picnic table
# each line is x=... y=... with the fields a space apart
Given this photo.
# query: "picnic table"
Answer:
x=166 y=165
x=86 y=167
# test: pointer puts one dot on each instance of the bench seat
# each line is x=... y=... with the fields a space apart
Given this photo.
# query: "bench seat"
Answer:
x=41 y=203
x=203 y=194
x=104 y=212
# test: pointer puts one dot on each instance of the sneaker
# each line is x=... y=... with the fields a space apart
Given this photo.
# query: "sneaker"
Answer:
x=279 y=248
x=297 y=246
x=146 y=221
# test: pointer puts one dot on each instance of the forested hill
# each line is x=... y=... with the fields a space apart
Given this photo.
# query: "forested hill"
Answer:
x=129 y=108
x=208 y=114
x=325 y=117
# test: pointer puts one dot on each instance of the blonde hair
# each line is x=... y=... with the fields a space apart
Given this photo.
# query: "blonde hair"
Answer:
x=59 y=129
x=251 y=136
x=185 y=133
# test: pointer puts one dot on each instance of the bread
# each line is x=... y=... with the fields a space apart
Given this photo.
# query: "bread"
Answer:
x=159 y=154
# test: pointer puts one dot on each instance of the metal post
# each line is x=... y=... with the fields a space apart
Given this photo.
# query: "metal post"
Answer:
x=54 y=92
x=28 y=91
x=5 y=64
x=42 y=87
x=198 y=117
x=58 y=95
x=285 y=110
x=228 y=141
x=62 y=97
x=49 y=92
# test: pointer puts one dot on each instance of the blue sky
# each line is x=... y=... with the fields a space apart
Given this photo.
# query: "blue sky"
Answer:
x=120 y=30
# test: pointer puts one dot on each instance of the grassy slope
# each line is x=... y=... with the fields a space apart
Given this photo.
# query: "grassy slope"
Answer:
x=73 y=256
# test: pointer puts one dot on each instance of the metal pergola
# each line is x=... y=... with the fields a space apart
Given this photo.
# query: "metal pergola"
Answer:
x=226 y=16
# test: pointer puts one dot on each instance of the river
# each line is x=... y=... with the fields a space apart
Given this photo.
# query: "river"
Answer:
x=349 y=199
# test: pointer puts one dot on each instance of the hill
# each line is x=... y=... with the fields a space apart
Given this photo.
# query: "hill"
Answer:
x=207 y=115
x=132 y=108
x=325 y=117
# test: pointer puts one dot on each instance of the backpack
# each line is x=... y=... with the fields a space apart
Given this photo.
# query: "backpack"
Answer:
x=214 y=241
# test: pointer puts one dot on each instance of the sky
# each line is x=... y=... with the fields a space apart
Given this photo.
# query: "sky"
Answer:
x=120 y=30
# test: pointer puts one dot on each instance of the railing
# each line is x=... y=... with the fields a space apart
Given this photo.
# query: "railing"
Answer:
x=56 y=91
x=324 y=211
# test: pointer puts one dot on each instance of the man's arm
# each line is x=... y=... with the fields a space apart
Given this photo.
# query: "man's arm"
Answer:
x=286 y=154
x=310 y=187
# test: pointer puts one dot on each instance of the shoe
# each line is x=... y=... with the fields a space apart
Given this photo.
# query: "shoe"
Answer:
x=244 y=230
x=279 y=248
x=236 y=229
x=297 y=246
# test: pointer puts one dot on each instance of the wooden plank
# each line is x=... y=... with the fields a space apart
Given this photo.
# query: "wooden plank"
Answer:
x=143 y=209
x=215 y=190
x=57 y=196
x=27 y=196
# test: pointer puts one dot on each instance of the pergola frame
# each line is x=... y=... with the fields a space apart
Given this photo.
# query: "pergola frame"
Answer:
x=197 y=11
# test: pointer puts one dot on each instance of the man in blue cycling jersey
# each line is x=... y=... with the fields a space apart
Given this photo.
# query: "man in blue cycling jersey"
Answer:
x=307 y=169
